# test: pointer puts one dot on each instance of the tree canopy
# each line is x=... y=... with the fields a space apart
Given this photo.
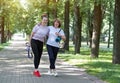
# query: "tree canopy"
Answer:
x=82 y=20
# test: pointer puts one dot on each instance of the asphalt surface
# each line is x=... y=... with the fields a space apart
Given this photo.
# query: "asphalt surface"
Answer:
x=16 y=67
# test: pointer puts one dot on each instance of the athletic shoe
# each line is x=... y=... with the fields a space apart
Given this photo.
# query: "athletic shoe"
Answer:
x=55 y=73
x=50 y=72
x=36 y=73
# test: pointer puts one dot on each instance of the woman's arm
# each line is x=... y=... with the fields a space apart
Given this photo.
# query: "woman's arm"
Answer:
x=32 y=33
x=63 y=37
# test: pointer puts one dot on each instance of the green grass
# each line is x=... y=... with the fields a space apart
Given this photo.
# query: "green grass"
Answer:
x=101 y=67
x=3 y=45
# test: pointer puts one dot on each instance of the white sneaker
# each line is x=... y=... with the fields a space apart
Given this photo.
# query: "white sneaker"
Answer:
x=55 y=73
x=50 y=72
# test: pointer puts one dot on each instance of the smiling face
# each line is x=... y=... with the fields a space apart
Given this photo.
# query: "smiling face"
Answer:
x=44 y=21
x=56 y=23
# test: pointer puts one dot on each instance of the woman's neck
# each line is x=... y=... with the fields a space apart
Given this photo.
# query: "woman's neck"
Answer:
x=42 y=24
x=56 y=27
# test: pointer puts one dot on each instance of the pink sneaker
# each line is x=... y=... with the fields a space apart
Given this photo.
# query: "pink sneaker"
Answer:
x=36 y=73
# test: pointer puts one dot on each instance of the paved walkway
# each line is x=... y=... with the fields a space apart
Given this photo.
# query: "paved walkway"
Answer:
x=15 y=67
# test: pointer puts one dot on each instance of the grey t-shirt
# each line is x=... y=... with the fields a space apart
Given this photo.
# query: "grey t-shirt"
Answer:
x=40 y=32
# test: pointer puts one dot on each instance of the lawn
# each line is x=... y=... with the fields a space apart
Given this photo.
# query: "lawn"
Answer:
x=101 y=67
x=3 y=45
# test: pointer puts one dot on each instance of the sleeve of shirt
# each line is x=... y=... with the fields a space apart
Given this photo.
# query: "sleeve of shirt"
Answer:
x=35 y=28
x=62 y=33
x=48 y=30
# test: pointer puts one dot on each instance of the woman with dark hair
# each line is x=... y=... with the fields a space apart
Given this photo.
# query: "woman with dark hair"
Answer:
x=38 y=34
x=54 y=37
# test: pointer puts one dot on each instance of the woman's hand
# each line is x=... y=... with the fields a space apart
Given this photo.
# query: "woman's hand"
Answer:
x=58 y=34
x=62 y=36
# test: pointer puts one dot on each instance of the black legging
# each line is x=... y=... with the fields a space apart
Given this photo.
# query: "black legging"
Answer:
x=52 y=52
x=37 y=48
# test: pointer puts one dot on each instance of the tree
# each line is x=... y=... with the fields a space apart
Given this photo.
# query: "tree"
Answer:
x=2 y=29
x=2 y=20
x=55 y=9
x=66 y=24
x=47 y=8
x=97 y=21
x=89 y=26
x=116 y=42
x=110 y=21
x=78 y=26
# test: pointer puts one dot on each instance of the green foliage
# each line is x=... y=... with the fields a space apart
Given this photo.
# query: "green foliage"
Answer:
x=22 y=16
x=101 y=67
x=3 y=45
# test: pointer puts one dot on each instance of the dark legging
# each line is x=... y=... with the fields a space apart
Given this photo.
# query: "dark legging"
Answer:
x=52 y=52
x=37 y=48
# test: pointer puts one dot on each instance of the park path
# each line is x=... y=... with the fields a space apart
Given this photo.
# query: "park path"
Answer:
x=15 y=67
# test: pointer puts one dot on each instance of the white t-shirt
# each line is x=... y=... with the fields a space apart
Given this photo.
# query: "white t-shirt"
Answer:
x=40 y=32
x=52 y=36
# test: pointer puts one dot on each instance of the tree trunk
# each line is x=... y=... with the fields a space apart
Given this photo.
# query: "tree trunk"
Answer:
x=2 y=29
x=110 y=23
x=116 y=41
x=66 y=25
x=47 y=8
x=78 y=25
x=55 y=9
x=90 y=27
x=97 y=21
